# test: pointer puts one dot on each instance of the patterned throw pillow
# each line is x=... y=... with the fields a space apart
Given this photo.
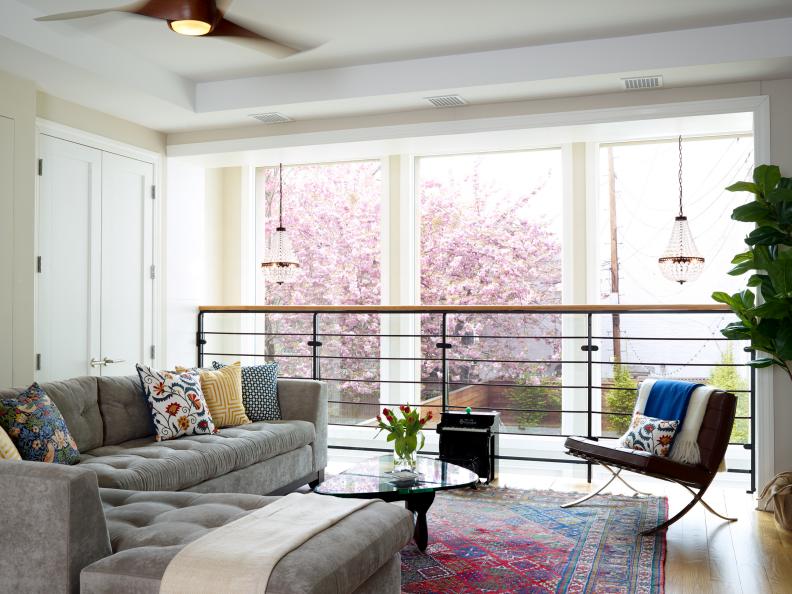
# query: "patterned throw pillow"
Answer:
x=650 y=435
x=223 y=392
x=259 y=391
x=37 y=428
x=8 y=450
x=176 y=403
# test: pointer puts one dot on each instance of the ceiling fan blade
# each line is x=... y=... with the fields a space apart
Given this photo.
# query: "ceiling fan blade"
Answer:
x=228 y=28
x=170 y=10
x=77 y=14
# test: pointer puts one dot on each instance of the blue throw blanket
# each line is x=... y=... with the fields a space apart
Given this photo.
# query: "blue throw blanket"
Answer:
x=668 y=400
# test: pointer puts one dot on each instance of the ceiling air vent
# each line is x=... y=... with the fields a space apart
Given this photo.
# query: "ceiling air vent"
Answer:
x=271 y=118
x=640 y=83
x=446 y=101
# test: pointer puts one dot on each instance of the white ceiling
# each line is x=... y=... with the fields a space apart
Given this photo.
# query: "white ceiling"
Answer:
x=375 y=57
x=355 y=32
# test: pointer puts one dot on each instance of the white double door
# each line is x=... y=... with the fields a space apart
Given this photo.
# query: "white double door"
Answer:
x=95 y=237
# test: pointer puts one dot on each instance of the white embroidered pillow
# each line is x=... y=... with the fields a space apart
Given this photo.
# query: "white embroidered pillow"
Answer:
x=649 y=435
x=176 y=403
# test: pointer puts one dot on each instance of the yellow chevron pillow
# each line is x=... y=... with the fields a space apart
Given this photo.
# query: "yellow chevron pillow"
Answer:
x=8 y=450
x=223 y=393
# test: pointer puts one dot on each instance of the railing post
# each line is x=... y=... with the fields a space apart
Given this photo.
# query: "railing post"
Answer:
x=589 y=386
x=752 y=420
x=444 y=346
x=316 y=371
x=200 y=341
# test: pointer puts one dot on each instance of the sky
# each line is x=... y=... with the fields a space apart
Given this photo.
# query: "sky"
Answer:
x=647 y=190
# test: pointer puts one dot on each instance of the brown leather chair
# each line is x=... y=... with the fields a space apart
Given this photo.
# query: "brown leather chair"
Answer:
x=713 y=439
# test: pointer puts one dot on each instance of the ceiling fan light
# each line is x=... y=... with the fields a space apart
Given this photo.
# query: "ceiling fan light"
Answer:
x=190 y=27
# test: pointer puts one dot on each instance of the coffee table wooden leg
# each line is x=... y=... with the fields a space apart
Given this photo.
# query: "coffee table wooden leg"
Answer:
x=419 y=504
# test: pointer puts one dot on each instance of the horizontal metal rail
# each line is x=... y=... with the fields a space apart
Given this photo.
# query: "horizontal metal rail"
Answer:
x=441 y=309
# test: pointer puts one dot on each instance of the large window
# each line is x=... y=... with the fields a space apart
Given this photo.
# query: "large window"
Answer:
x=332 y=214
x=580 y=223
x=490 y=228
x=638 y=200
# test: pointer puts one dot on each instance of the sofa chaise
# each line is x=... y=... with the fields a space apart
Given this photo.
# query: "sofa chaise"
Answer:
x=110 y=421
x=62 y=534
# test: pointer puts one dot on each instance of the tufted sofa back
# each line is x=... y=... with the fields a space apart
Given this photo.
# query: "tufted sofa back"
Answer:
x=124 y=409
x=78 y=401
x=99 y=410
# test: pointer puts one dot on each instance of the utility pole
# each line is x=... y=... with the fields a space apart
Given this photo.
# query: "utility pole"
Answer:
x=614 y=256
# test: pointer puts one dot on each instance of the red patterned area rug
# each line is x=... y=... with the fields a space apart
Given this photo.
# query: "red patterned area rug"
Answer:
x=510 y=540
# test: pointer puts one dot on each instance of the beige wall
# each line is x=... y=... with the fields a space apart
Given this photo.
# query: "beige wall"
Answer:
x=204 y=206
x=780 y=94
x=192 y=245
x=21 y=102
x=17 y=230
x=85 y=119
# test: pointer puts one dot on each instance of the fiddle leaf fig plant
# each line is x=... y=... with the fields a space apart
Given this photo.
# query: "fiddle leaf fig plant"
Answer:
x=767 y=325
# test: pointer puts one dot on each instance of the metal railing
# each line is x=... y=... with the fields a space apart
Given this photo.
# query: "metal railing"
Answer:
x=446 y=347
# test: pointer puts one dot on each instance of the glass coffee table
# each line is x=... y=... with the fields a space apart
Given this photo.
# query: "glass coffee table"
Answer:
x=372 y=479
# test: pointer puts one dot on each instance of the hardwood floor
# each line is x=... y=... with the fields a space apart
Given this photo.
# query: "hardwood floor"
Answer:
x=706 y=555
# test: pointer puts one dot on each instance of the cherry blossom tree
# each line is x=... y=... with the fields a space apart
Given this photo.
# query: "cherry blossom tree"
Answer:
x=479 y=245
x=332 y=214
x=482 y=245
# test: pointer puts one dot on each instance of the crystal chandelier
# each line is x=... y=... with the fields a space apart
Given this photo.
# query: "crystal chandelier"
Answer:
x=681 y=261
x=280 y=262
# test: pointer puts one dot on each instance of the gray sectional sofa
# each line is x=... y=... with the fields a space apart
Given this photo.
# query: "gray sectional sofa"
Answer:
x=113 y=522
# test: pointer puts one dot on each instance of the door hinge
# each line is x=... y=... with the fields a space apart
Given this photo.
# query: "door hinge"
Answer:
x=38 y=361
x=153 y=192
x=41 y=166
x=152 y=272
x=38 y=264
x=152 y=351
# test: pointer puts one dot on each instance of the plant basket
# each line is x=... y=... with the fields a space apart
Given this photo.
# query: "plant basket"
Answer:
x=777 y=497
x=783 y=508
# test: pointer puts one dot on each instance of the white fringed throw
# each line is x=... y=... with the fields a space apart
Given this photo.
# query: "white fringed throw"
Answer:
x=685 y=448
x=239 y=557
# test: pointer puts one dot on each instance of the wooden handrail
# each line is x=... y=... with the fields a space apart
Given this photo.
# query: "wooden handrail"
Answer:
x=650 y=308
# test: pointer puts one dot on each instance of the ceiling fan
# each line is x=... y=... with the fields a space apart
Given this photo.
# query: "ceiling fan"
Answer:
x=195 y=18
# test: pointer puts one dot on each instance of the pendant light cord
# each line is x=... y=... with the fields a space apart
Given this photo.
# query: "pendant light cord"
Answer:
x=680 y=177
x=280 y=195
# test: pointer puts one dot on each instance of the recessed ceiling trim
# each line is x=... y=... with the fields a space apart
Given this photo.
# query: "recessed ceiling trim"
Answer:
x=187 y=145
x=654 y=52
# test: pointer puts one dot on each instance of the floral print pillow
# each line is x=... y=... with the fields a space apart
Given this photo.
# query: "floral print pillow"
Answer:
x=650 y=435
x=176 y=403
x=37 y=428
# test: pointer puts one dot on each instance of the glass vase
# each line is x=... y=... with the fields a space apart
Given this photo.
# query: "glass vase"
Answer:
x=404 y=453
